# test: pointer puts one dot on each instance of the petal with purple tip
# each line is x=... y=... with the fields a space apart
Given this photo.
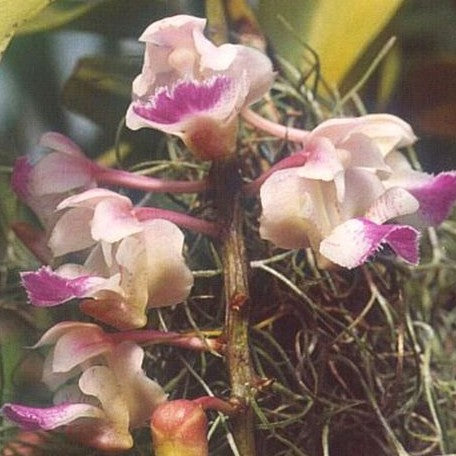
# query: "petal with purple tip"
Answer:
x=436 y=198
x=353 y=242
x=34 y=418
x=45 y=288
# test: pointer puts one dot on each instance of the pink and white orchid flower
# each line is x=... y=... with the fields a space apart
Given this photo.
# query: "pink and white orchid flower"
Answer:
x=142 y=268
x=102 y=216
x=353 y=180
x=111 y=394
x=362 y=143
x=193 y=89
x=42 y=181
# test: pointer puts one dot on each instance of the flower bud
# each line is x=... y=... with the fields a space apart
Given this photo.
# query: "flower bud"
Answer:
x=179 y=428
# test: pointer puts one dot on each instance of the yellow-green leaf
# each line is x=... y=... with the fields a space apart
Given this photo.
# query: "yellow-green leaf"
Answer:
x=13 y=14
x=58 y=14
x=339 y=31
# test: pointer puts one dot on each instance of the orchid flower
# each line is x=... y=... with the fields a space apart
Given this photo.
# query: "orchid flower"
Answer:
x=43 y=180
x=143 y=269
x=101 y=390
x=193 y=89
x=101 y=215
x=351 y=183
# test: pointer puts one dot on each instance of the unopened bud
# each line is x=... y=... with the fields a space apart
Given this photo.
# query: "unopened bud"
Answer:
x=179 y=428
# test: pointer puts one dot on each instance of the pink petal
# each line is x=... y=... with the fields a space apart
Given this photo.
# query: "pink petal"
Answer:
x=58 y=172
x=252 y=64
x=45 y=288
x=34 y=418
x=173 y=31
x=61 y=143
x=163 y=245
x=353 y=242
x=212 y=57
x=90 y=198
x=323 y=162
x=436 y=197
x=170 y=53
x=78 y=346
x=20 y=178
x=113 y=220
x=188 y=98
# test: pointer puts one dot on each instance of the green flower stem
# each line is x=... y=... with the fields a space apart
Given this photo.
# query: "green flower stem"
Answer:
x=227 y=192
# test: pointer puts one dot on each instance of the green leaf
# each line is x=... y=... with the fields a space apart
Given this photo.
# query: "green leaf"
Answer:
x=58 y=14
x=13 y=14
x=338 y=31
x=122 y=18
x=100 y=88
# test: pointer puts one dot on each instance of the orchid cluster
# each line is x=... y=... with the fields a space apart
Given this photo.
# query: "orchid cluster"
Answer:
x=345 y=192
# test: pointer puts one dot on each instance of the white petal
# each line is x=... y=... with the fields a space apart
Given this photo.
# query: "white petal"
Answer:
x=393 y=203
x=362 y=188
x=142 y=394
x=71 y=233
x=289 y=215
x=165 y=264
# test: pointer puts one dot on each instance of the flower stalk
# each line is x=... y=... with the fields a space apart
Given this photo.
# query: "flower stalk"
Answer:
x=227 y=198
x=183 y=220
x=151 y=336
x=149 y=184
x=275 y=129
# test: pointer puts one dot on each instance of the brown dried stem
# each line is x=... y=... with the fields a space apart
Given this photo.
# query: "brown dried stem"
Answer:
x=227 y=189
